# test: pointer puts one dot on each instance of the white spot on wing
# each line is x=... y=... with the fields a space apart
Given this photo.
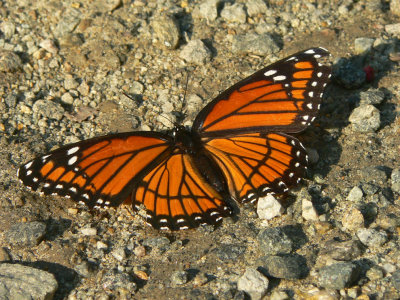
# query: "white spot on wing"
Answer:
x=59 y=186
x=314 y=83
x=309 y=105
x=270 y=72
x=310 y=51
x=311 y=94
x=29 y=172
x=72 y=160
x=72 y=150
x=35 y=179
x=279 y=78
x=28 y=165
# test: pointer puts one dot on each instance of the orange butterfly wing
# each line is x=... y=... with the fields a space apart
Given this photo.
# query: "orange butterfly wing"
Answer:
x=176 y=196
x=257 y=164
x=99 y=172
x=283 y=97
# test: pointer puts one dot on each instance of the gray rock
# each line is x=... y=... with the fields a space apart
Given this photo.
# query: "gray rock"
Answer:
x=8 y=29
x=372 y=96
x=4 y=256
x=208 y=10
x=393 y=29
x=273 y=241
x=375 y=273
x=251 y=43
x=84 y=269
x=179 y=278
x=365 y=118
x=167 y=31
x=338 y=276
x=70 y=83
x=196 y=52
x=373 y=175
x=353 y=219
x=355 y=195
x=253 y=283
x=362 y=45
x=338 y=250
x=70 y=19
x=395 y=7
x=349 y=73
x=372 y=237
x=255 y=7
x=48 y=109
x=119 y=282
x=395 y=180
x=26 y=234
x=234 y=13
x=228 y=252
x=67 y=98
x=21 y=282
x=49 y=46
x=396 y=280
x=9 y=62
x=284 y=266
x=160 y=243
x=119 y=254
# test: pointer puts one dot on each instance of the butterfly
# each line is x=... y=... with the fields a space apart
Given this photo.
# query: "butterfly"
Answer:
x=238 y=148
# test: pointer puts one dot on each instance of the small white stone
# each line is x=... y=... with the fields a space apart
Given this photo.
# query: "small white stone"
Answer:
x=89 y=231
x=253 y=283
x=268 y=207
x=308 y=210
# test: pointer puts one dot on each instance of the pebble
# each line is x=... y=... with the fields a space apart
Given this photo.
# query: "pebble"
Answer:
x=67 y=98
x=22 y=282
x=374 y=273
x=268 y=207
x=355 y=195
x=363 y=45
x=342 y=250
x=256 y=7
x=227 y=252
x=393 y=29
x=179 y=278
x=196 y=52
x=234 y=13
x=372 y=237
x=251 y=43
x=88 y=231
x=161 y=243
x=284 y=266
x=372 y=96
x=338 y=276
x=120 y=283
x=68 y=22
x=9 y=62
x=167 y=31
x=208 y=10
x=395 y=7
x=308 y=210
x=396 y=280
x=119 y=254
x=279 y=295
x=48 y=109
x=49 y=46
x=70 y=83
x=101 y=245
x=253 y=283
x=8 y=29
x=26 y=234
x=395 y=180
x=84 y=269
x=273 y=241
x=348 y=73
x=353 y=219
x=373 y=175
x=365 y=118
x=4 y=256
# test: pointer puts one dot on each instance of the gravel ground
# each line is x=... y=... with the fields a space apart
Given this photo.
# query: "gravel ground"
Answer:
x=64 y=69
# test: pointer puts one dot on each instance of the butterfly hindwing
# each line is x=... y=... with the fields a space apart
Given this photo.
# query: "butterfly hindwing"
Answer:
x=99 y=171
x=175 y=196
x=283 y=97
x=257 y=164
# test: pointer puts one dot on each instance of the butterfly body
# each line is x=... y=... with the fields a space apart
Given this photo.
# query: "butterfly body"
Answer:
x=238 y=148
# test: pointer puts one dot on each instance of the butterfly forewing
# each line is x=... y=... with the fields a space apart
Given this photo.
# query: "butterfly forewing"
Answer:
x=283 y=97
x=98 y=171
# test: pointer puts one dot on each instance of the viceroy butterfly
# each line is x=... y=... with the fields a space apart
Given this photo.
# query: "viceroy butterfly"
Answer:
x=238 y=148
